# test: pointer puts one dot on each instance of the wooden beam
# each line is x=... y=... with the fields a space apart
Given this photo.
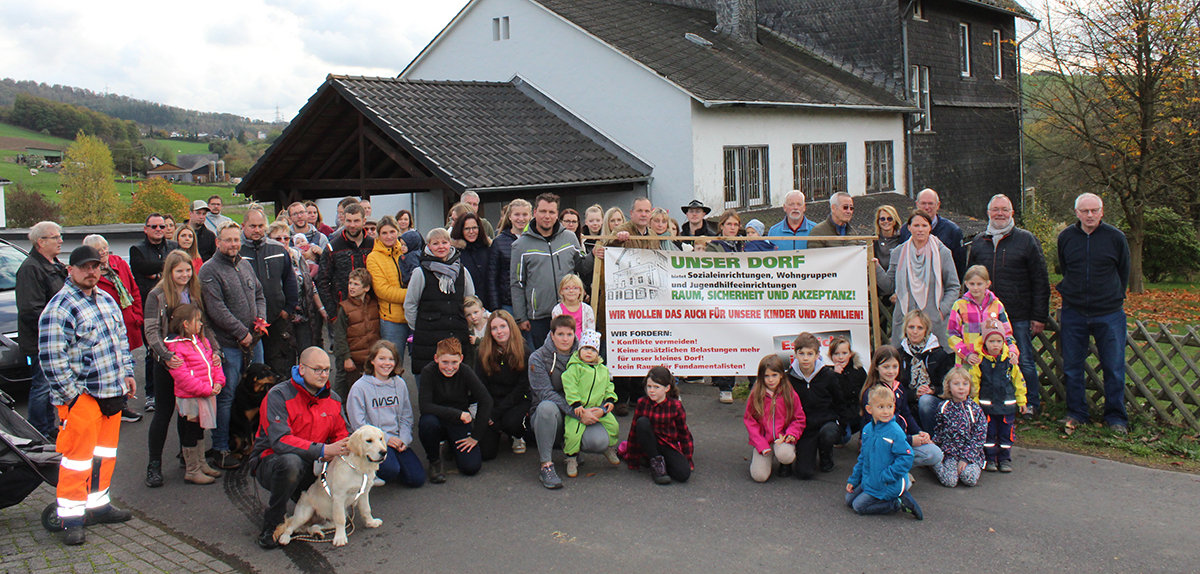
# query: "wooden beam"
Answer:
x=393 y=153
x=337 y=153
x=362 y=159
x=368 y=184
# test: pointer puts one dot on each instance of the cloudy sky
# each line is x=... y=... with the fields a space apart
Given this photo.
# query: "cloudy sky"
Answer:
x=239 y=56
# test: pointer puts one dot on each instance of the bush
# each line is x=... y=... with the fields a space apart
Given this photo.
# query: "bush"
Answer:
x=25 y=208
x=156 y=196
x=1038 y=220
x=1171 y=248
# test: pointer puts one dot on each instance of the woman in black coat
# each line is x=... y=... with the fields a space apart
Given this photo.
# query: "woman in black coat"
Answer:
x=503 y=366
x=499 y=283
x=468 y=237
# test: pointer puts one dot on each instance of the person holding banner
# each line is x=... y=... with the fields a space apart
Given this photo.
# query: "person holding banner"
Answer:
x=696 y=226
x=794 y=223
x=841 y=211
x=921 y=275
x=821 y=397
x=730 y=225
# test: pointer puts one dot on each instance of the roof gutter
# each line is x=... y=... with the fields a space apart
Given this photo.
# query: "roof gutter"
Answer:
x=987 y=6
x=560 y=184
x=861 y=108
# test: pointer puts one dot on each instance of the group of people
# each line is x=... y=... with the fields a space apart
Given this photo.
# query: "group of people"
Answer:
x=504 y=341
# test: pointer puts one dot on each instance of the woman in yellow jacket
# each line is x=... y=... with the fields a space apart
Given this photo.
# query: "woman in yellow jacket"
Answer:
x=384 y=265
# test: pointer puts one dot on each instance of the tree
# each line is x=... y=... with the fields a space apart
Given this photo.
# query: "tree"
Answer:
x=1117 y=103
x=156 y=196
x=89 y=195
x=25 y=208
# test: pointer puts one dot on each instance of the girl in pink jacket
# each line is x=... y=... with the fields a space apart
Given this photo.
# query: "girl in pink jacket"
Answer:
x=774 y=419
x=197 y=382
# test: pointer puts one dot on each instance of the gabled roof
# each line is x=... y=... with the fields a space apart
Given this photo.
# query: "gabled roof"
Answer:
x=168 y=167
x=774 y=72
x=192 y=161
x=1009 y=6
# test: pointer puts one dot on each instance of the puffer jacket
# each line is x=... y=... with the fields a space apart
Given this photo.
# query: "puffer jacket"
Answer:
x=342 y=257
x=967 y=318
x=997 y=384
x=273 y=266
x=538 y=264
x=773 y=423
x=196 y=377
x=412 y=260
x=884 y=460
x=499 y=290
x=386 y=280
x=474 y=257
x=1018 y=271
x=297 y=421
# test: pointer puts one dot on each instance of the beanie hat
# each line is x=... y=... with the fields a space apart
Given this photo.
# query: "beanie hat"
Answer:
x=591 y=339
x=757 y=226
x=990 y=328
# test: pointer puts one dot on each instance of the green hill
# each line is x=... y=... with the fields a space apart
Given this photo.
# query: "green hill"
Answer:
x=8 y=131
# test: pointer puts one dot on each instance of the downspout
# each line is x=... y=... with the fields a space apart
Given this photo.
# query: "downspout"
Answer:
x=1021 y=112
x=908 y=141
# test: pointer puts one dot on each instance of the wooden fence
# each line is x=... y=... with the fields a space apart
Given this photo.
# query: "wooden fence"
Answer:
x=1162 y=370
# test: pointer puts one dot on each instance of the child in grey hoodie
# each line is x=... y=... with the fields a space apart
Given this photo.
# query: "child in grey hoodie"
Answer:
x=380 y=398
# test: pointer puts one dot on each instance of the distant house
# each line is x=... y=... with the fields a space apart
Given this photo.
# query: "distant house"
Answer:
x=192 y=168
x=50 y=155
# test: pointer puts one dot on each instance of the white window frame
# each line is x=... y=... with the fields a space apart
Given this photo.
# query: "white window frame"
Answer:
x=819 y=169
x=880 y=166
x=919 y=10
x=918 y=81
x=964 y=49
x=747 y=176
x=500 y=30
x=998 y=54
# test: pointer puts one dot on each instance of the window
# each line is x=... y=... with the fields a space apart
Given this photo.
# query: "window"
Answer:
x=499 y=29
x=997 y=55
x=746 y=176
x=964 y=49
x=879 y=167
x=820 y=169
x=918 y=82
x=918 y=10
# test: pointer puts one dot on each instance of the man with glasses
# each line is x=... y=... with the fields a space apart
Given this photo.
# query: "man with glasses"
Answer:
x=1094 y=259
x=146 y=260
x=945 y=230
x=233 y=303
x=302 y=422
x=40 y=276
x=841 y=211
x=1014 y=260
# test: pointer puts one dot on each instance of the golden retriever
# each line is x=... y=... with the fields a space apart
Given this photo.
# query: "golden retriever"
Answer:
x=345 y=476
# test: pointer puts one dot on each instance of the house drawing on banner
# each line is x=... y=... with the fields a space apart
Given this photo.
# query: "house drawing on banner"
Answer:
x=640 y=276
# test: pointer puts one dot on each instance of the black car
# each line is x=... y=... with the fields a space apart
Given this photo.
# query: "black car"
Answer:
x=14 y=366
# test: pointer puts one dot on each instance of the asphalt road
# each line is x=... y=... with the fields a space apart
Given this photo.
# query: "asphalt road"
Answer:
x=1056 y=512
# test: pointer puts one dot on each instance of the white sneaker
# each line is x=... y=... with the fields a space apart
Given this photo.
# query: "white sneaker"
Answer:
x=518 y=446
x=726 y=397
x=572 y=467
x=377 y=482
x=611 y=454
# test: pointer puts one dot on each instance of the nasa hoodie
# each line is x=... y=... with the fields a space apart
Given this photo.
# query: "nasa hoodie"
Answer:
x=384 y=404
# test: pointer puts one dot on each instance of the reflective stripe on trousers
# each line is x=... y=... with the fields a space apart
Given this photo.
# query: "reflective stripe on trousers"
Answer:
x=87 y=441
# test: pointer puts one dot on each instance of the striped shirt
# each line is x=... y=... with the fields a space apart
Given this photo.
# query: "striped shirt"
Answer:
x=83 y=346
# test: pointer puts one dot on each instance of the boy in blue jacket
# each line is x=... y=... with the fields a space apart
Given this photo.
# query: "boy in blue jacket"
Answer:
x=879 y=483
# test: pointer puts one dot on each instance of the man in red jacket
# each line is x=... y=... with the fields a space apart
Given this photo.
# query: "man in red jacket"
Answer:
x=299 y=423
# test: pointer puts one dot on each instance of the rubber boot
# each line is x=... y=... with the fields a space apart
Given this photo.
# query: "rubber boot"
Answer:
x=191 y=456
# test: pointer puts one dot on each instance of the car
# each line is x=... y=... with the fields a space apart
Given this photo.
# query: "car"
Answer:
x=14 y=365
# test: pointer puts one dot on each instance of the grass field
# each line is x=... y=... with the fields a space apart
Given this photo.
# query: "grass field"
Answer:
x=182 y=147
x=44 y=182
x=11 y=131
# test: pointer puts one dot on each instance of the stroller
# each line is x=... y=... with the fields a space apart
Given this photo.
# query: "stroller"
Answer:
x=26 y=460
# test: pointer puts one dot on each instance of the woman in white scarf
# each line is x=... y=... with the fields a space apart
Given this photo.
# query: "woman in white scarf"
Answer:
x=921 y=275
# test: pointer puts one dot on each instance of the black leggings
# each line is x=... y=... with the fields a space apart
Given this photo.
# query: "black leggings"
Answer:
x=190 y=433
x=806 y=448
x=512 y=424
x=678 y=467
x=164 y=409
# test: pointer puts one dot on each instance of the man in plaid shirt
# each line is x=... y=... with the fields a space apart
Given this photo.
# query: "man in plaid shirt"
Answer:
x=84 y=351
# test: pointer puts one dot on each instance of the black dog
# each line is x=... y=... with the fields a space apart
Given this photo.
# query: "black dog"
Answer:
x=243 y=418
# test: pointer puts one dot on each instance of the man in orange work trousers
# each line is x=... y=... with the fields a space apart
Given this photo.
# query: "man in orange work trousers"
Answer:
x=84 y=352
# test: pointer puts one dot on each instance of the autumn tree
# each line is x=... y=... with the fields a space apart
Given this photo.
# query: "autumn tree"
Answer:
x=156 y=196
x=1115 y=105
x=89 y=194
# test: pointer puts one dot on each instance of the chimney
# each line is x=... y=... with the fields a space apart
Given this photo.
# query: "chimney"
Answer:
x=739 y=19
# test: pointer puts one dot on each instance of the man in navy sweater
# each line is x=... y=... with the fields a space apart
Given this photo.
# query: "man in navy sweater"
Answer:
x=1094 y=259
x=945 y=230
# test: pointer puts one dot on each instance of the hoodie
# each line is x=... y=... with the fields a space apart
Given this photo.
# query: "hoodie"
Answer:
x=381 y=403
x=546 y=366
x=820 y=395
x=538 y=264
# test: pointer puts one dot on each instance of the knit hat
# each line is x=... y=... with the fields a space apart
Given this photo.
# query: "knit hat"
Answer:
x=591 y=339
x=990 y=328
x=757 y=226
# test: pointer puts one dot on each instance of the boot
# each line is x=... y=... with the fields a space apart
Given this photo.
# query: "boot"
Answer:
x=154 y=477
x=435 y=472
x=191 y=455
x=659 y=465
x=826 y=460
x=205 y=468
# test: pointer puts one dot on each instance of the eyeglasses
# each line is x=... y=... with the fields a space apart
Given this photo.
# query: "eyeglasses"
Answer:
x=53 y=237
x=156 y=226
x=886 y=218
x=1089 y=211
x=466 y=229
x=847 y=208
x=321 y=371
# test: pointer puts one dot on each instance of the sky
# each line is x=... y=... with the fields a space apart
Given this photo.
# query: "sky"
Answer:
x=238 y=56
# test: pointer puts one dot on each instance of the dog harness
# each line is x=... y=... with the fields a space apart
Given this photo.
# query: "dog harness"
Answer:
x=325 y=484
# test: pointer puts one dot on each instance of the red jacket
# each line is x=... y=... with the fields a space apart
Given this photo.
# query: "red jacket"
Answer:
x=770 y=426
x=196 y=377
x=292 y=420
x=133 y=313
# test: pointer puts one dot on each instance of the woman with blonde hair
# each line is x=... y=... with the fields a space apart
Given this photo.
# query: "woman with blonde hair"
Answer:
x=887 y=230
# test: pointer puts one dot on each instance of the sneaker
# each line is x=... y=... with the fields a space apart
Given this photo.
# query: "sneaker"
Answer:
x=1070 y=424
x=785 y=470
x=227 y=460
x=74 y=535
x=1028 y=413
x=610 y=454
x=990 y=466
x=909 y=504
x=149 y=404
x=572 y=466
x=726 y=397
x=1118 y=428
x=659 y=467
x=108 y=515
x=1004 y=466
x=826 y=461
x=377 y=482
x=621 y=410
x=154 y=477
x=550 y=478
x=266 y=538
x=129 y=416
x=518 y=446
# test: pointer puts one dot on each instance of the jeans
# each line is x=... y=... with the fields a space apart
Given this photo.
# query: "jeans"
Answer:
x=1027 y=364
x=927 y=455
x=286 y=476
x=433 y=431
x=864 y=503
x=231 y=363
x=548 y=427
x=403 y=465
x=1109 y=331
x=538 y=330
x=397 y=333
x=41 y=416
x=927 y=407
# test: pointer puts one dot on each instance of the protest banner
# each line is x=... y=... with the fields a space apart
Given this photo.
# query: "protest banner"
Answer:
x=700 y=313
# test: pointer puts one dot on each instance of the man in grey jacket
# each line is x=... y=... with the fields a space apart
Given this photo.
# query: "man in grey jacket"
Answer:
x=546 y=366
x=541 y=257
x=273 y=267
x=233 y=301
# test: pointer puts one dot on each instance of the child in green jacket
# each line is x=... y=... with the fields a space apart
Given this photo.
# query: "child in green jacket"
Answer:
x=589 y=391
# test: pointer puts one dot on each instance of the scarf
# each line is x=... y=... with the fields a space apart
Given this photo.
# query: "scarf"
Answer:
x=446 y=273
x=123 y=296
x=916 y=269
x=997 y=233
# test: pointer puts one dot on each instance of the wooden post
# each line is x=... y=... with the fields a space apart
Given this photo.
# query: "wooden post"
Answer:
x=876 y=328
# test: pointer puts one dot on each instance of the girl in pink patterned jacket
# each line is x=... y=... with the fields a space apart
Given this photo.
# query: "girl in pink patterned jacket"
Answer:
x=976 y=307
x=197 y=382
